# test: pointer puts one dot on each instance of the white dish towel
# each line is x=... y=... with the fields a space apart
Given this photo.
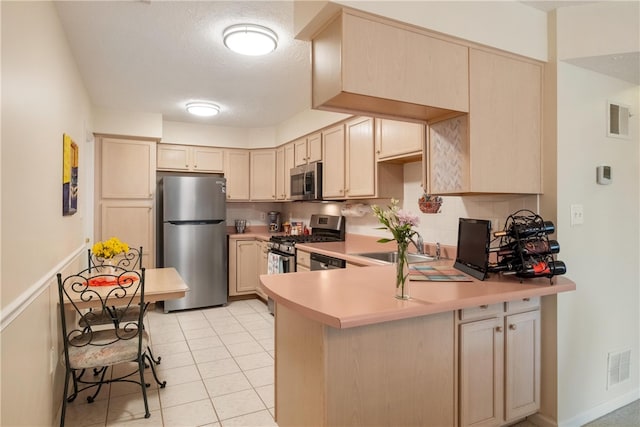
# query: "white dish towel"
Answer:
x=274 y=263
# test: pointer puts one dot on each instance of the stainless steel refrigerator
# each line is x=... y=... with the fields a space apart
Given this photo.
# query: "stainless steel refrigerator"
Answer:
x=194 y=238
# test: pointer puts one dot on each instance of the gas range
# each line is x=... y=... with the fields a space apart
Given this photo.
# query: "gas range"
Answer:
x=324 y=228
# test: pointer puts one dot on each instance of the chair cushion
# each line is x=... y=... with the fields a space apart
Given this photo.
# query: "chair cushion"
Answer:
x=95 y=355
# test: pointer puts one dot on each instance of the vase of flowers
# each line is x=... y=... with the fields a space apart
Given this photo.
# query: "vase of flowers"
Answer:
x=107 y=250
x=400 y=223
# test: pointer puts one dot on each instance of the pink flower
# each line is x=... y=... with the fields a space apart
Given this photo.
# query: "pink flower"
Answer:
x=407 y=218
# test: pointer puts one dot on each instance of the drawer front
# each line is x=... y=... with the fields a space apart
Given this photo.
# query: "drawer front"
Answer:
x=303 y=258
x=481 y=311
x=522 y=304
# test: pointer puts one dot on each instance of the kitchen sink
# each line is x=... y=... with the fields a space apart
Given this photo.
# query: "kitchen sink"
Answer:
x=391 y=257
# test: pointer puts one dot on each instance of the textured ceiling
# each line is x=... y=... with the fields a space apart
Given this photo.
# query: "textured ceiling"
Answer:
x=156 y=56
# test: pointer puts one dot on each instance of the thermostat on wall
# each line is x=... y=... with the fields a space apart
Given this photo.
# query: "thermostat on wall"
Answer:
x=603 y=175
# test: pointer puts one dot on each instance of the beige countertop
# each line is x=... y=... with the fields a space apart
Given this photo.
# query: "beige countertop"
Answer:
x=365 y=295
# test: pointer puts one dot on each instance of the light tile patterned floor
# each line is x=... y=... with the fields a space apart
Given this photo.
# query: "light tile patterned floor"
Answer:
x=219 y=367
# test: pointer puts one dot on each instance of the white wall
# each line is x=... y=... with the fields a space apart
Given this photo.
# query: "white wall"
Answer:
x=127 y=123
x=605 y=28
x=42 y=98
x=194 y=134
x=603 y=255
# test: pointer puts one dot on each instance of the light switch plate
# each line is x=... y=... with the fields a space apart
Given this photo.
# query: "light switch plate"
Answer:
x=577 y=215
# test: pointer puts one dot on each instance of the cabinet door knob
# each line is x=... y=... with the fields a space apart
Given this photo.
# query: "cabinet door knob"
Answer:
x=498 y=328
x=513 y=327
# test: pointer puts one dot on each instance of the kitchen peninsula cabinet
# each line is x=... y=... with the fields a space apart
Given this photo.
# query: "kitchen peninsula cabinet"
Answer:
x=125 y=180
x=284 y=163
x=497 y=148
x=308 y=149
x=399 y=140
x=172 y=157
x=350 y=354
x=384 y=375
x=499 y=355
x=236 y=170
x=370 y=65
x=263 y=175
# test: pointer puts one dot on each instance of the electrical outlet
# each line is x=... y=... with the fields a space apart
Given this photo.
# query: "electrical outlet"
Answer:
x=263 y=216
x=577 y=215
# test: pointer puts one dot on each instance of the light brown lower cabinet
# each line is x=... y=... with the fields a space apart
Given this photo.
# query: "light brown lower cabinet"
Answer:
x=263 y=266
x=499 y=359
x=472 y=367
x=303 y=260
x=248 y=259
x=243 y=266
x=398 y=373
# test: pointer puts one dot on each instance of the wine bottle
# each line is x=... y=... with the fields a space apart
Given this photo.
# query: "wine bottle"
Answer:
x=528 y=247
x=543 y=269
x=522 y=231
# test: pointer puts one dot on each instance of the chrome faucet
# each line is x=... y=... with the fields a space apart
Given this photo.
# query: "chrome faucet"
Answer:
x=418 y=243
x=437 y=250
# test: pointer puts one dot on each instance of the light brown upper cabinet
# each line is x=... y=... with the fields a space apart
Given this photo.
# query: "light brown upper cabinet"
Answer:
x=284 y=163
x=399 y=140
x=236 y=170
x=263 y=175
x=350 y=168
x=369 y=65
x=125 y=193
x=308 y=149
x=497 y=148
x=334 y=164
x=190 y=158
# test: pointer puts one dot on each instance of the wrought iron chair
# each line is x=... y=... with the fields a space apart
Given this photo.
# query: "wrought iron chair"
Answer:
x=121 y=340
x=130 y=260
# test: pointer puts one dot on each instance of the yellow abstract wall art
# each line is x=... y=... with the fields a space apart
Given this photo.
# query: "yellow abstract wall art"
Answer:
x=69 y=176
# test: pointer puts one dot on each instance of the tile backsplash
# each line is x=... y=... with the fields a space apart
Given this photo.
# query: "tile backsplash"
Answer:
x=441 y=227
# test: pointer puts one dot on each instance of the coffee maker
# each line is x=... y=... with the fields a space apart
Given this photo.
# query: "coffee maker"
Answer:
x=274 y=222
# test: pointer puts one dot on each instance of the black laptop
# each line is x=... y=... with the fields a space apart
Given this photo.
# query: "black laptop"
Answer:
x=474 y=238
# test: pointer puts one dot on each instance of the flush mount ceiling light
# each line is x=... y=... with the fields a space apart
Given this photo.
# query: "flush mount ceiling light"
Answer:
x=249 y=39
x=203 y=109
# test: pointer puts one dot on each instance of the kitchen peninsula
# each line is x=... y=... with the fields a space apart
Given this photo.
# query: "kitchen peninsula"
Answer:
x=349 y=353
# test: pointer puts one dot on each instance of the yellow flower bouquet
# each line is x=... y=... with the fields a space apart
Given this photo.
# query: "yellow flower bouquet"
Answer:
x=109 y=248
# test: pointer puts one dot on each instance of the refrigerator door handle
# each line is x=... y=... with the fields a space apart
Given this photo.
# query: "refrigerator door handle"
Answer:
x=197 y=222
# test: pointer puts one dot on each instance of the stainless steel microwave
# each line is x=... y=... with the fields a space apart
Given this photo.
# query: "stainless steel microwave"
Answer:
x=306 y=182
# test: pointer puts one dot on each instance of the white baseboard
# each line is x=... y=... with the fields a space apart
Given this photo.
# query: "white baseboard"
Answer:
x=600 y=410
x=542 y=420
